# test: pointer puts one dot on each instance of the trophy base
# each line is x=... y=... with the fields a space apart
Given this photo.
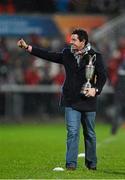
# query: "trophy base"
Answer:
x=83 y=91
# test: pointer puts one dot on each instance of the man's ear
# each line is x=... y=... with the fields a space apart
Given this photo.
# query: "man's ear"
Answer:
x=83 y=42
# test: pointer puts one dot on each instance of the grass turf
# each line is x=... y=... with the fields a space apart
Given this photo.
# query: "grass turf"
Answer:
x=32 y=151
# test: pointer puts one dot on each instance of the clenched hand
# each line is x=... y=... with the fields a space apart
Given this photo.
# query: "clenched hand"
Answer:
x=21 y=43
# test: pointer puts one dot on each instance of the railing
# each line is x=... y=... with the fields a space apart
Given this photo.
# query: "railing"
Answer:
x=24 y=100
x=107 y=36
x=40 y=88
x=30 y=88
x=109 y=27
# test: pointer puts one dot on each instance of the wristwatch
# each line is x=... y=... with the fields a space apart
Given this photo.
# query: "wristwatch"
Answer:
x=96 y=90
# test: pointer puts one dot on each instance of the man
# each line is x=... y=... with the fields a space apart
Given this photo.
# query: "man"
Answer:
x=116 y=72
x=78 y=107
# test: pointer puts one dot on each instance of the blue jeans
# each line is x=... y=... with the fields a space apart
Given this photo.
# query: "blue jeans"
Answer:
x=73 y=120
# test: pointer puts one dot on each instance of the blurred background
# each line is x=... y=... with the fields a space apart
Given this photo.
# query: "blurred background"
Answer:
x=30 y=87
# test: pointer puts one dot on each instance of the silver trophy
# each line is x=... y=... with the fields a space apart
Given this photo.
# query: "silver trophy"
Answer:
x=89 y=72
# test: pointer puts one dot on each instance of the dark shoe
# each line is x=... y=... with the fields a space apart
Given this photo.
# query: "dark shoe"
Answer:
x=92 y=168
x=70 y=168
x=114 y=130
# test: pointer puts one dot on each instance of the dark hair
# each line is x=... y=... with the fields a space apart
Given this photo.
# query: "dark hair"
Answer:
x=82 y=34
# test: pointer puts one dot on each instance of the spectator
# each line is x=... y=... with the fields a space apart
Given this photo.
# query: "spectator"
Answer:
x=32 y=76
x=62 y=5
x=116 y=67
x=47 y=98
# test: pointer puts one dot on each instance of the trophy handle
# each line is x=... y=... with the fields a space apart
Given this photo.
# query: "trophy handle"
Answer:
x=92 y=59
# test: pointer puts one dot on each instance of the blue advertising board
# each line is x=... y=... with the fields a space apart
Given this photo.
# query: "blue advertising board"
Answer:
x=14 y=25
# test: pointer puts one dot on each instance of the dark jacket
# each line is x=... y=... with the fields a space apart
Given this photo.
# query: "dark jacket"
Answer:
x=75 y=77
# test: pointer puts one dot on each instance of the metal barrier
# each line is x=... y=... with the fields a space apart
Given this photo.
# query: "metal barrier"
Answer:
x=30 y=88
x=40 y=88
x=38 y=100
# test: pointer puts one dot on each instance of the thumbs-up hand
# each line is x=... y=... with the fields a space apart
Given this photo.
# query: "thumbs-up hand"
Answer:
x=21 y=43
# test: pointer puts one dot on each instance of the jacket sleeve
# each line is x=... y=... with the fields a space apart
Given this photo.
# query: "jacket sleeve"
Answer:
x=47 y=55
x=101 y=73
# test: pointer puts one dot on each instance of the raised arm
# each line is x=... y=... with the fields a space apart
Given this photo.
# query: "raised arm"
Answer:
x=42 y=53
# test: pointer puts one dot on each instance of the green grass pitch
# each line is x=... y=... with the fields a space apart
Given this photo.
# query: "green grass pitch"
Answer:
x=32 y=151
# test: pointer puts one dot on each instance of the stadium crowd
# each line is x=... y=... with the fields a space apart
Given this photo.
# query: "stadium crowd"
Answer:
x=62 y=6
x=17 y=67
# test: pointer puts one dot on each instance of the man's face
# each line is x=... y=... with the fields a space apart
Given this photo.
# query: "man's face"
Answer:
x=76 y=43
